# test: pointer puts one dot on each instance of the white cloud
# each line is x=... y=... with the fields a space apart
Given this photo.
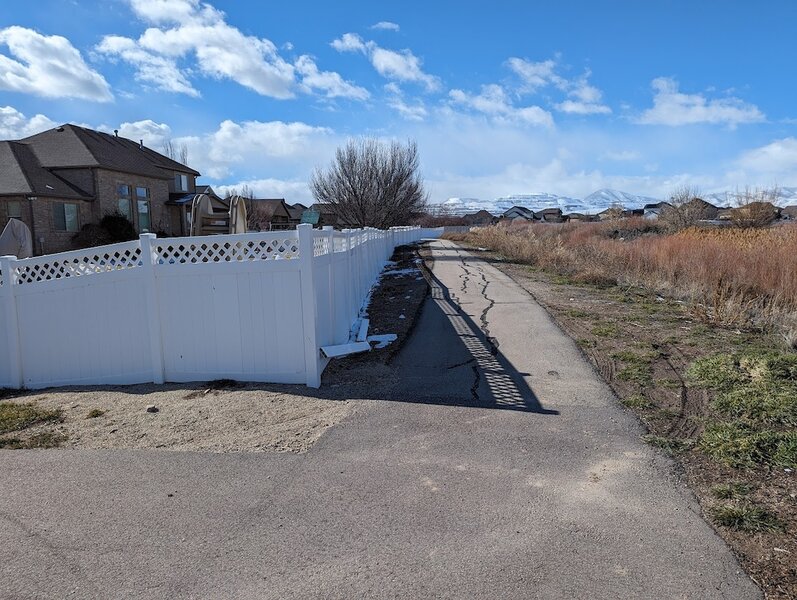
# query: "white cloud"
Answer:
x=396 y=65
x=349 y=42
x=15 y=125
x=396 y=101
x=585 y=99
x=535 y=75
x=189 y=38
x=48 y=66
x=776 y=157
x=246 y=146
x=671 y=107
x=493 y=101
x=386 y=26
x=154 y=134
x=293 y=191
x=160 y=71
x=328 y=81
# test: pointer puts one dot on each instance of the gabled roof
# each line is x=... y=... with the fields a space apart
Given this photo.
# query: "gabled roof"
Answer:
x=296 y=211
x=270 y=207
x=520 y=211
x=22 y=175
x=70 y=146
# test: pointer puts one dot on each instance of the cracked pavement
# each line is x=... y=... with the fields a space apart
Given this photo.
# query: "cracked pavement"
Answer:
x=474 y=469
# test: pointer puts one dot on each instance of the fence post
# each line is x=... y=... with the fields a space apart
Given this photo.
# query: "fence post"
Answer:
x=312 y=362
x=7 y=266
x=349 y=281
x=149 y=262
x=333 y=324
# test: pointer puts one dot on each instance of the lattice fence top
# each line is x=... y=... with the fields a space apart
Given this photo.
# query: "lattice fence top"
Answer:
x=77 y=264
x=320 y=243
x=209 y=250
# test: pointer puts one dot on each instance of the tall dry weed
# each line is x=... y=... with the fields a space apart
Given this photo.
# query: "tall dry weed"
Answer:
x=740 y=277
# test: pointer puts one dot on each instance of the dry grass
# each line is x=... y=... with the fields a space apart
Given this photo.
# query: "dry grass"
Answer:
x=732 y=276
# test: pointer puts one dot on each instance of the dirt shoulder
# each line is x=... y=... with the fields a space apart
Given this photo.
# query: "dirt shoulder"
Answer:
x=220 y=416
x=643 y=346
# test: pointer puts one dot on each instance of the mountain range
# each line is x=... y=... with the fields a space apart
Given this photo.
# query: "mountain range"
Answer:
x=594 y=203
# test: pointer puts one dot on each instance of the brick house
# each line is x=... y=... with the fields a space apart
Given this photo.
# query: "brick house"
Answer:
x=59 y=180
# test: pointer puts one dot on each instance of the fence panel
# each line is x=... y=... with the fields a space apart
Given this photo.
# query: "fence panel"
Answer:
x=252 y=307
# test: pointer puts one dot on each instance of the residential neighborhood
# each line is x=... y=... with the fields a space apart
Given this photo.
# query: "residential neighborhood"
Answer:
x=419 y=300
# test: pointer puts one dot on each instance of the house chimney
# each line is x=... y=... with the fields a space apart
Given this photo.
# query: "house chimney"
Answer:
x=116 y=133
x=141 y=144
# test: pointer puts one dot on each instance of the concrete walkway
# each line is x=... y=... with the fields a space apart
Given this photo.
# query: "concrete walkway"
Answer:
x=494 y=465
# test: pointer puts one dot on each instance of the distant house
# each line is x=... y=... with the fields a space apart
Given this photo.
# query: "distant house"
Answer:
x=550 y=215
x=519 y=212
x=702 y=209
x=296 y=211
x=64 y=178
x=789 y=213
x=634 y=212
x=269 y=214
x=481 y=217
x=654 y=210
x=579 y=218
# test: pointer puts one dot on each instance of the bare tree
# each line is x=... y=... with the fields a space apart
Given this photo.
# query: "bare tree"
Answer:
x=178 y=153
x=755 y=208
x=372 y=184
x=686 y=209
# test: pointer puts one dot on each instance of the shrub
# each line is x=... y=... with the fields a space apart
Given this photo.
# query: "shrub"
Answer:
x=111 y=229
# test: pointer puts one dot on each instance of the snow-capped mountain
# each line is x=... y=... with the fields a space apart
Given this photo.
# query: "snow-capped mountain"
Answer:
x=594 y=203
x=786 y=197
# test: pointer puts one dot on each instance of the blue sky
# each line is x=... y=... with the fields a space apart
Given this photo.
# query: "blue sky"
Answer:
x=502 y=97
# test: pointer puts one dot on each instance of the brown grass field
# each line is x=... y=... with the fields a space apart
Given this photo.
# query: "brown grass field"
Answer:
x=731 y=276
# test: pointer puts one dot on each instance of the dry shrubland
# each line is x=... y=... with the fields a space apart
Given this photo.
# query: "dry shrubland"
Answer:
x=732 y=276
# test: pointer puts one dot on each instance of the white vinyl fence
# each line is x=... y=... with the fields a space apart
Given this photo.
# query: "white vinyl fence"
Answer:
x=251 y=307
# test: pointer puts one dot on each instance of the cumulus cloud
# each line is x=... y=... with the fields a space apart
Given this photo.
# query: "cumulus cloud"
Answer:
x=400 y=65
x=15 y=125
x=494 y=101
x=386 y=26
x=583 y=98
x=328 y=81
x=154 y=134
x=48 y=66
x=293 y=191
x=535 y=75
x=160 y=71
x=672 y=107
x=776 y=157
x=349 y=42
x=235 y=146
x=187 y=37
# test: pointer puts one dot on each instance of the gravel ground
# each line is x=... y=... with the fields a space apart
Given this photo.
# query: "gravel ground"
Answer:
x=209 y=418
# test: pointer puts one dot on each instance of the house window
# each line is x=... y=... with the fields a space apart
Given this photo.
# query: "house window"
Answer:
x=66 y=217
x=143 y=209
x=124 y=201
x=14 y=209
x=180 y=182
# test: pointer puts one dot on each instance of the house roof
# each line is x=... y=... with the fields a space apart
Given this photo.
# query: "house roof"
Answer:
x=300 y=206
x=271 y=207
x=520 y=211
x=21 y=174
x=789 y=210
x=70 y=146
x=295 y=211
x=655 y=205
